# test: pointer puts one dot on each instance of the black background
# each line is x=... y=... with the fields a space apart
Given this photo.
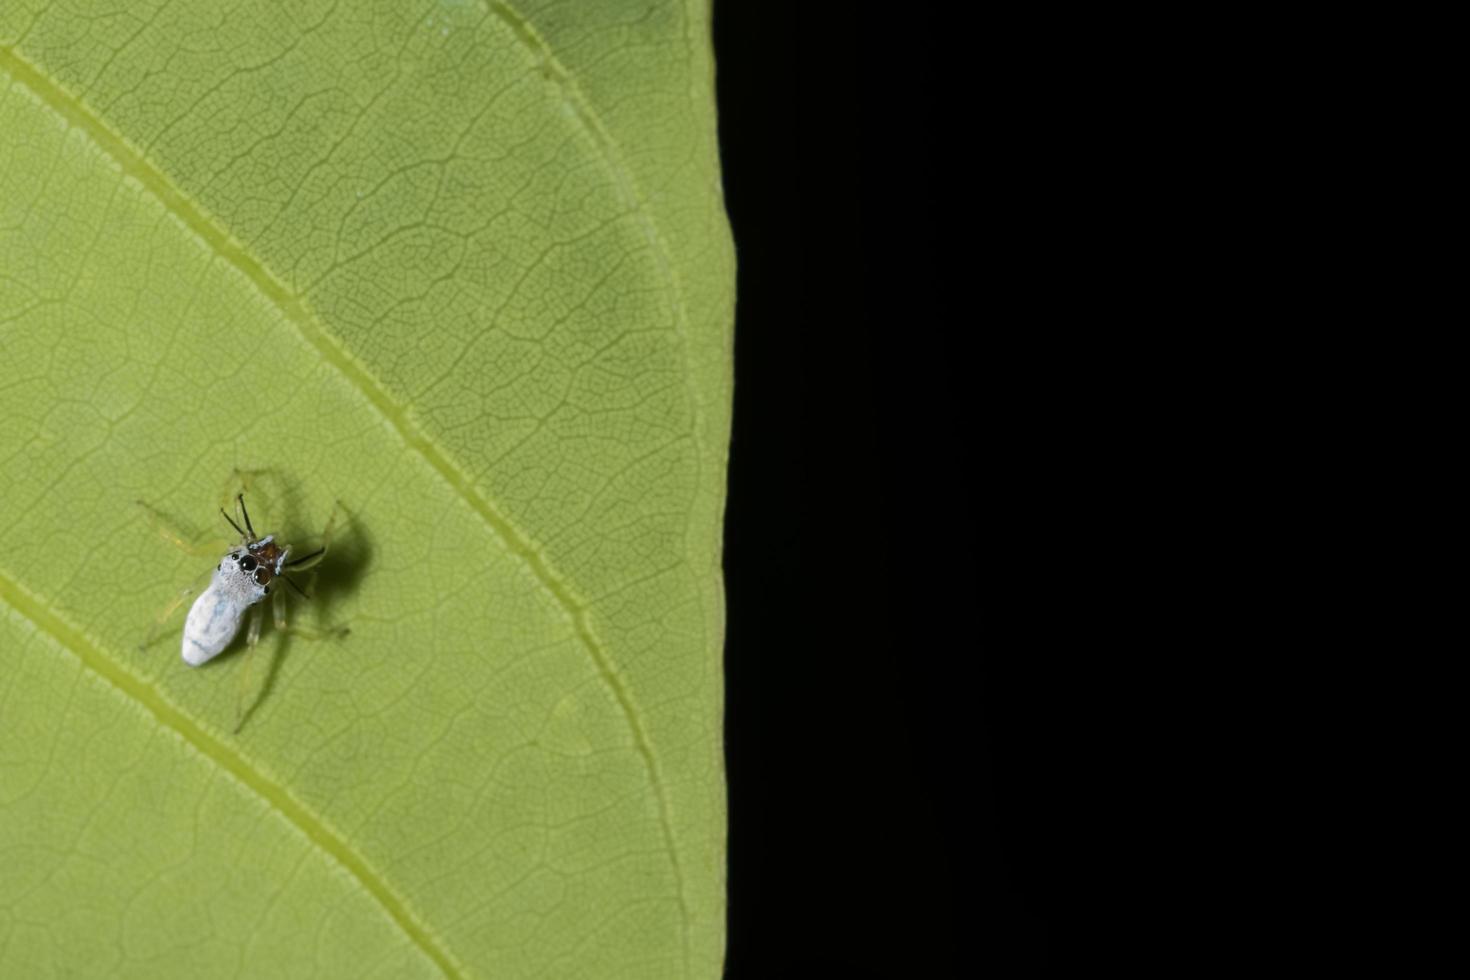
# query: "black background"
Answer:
x=871 y=833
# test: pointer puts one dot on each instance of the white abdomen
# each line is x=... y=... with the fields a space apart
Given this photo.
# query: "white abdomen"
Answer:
x=213 y=622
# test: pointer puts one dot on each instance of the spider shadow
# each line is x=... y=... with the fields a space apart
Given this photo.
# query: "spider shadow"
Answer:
x=341 y=570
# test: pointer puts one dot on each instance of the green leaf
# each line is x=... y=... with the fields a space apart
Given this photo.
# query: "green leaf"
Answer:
x=463 y=267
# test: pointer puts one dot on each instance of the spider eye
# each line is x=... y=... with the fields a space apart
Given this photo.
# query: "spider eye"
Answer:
x=260 y=576
x=267 y=590
x=248 y=563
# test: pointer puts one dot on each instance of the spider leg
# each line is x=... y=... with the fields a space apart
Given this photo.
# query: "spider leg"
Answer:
x=252 y=640
x=239 y=481
x=282 y=626
x=278 y=613
x=310 y=561
x=211 y=547
x=170 y=610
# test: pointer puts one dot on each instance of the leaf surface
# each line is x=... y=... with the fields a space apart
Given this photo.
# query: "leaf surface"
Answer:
x=463 y=268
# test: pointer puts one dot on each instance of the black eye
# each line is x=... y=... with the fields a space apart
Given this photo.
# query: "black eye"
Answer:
x=234 y=558
x=260 y=577
x=248 y=563
x=267 y=590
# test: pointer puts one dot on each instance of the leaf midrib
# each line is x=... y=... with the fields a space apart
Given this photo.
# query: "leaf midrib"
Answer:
x=296 y=311
x=311 y=825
